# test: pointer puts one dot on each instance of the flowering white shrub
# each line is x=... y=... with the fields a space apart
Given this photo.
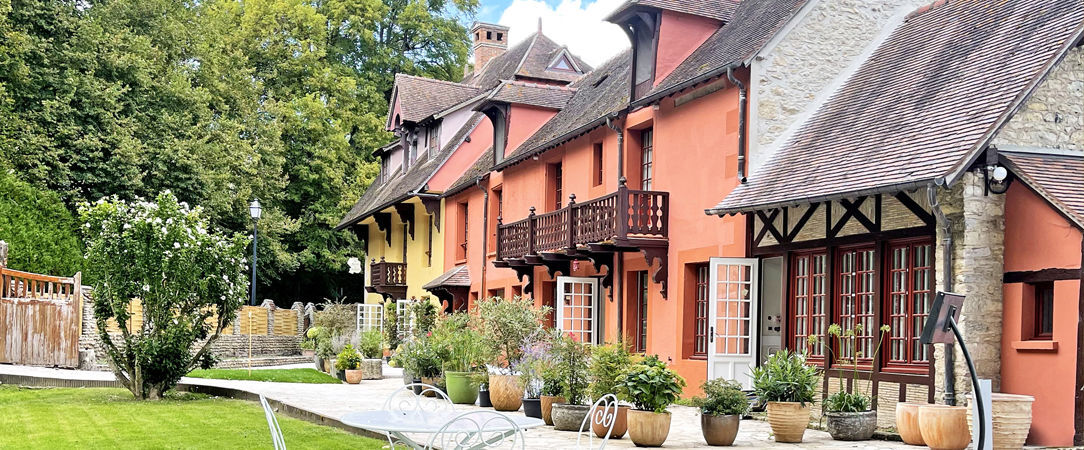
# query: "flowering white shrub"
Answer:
x=189 y=279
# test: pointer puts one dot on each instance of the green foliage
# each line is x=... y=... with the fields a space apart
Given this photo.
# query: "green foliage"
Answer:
x=551 y=380
x=307 y=375
x=39 y=229
x=506 y=325
x=348 y=359
x=425 y=316
x=785 y=377
x=340 y=319
x=572 y=358
x=462 y=346
x=844 y=401
x=651 y=386
x=321 y=341
x=372 y=344
x=391 y=326
x=608 y=363
x=191 y=282
x=722 y=398
x=421 y=357
x=847 y=402
x=537 y=358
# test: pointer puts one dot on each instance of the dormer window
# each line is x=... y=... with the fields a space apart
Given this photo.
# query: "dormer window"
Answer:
x=642 y=26
x=564 y=62
x=433 y=139
x=499 y=118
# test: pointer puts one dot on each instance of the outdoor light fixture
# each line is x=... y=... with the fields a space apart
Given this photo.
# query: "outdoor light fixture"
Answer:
x=254 y=211
x=997 y=179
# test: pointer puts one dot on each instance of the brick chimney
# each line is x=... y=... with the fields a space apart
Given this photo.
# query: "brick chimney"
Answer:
x=490 y=41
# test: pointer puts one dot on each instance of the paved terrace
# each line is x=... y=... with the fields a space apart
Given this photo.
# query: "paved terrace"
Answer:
x=332 y=401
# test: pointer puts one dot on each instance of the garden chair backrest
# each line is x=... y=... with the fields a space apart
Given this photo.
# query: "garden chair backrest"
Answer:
x=273 y=425
x=405 y=401
x=603 y=413
x=478 y=430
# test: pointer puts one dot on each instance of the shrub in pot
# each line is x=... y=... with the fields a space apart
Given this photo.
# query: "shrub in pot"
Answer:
x=651 y=387
x=721 y=410
x=572 y=358
x=505 y=326
x=608 y=363
x=429 y=358
x=308 y=344
x=481 y=378
x=550 y=392
x=464 y=355
x=788 y=385
x=536 y=356
x=321 y=339
x=848 y=413
x=371 y=345
x=347 y=362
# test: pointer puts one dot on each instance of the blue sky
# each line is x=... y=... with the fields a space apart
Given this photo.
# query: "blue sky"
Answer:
x=577 y=24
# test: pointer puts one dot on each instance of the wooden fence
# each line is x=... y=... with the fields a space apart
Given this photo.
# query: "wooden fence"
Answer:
x=40 y=317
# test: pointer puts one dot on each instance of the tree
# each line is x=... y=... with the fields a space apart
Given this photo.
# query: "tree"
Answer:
x=189 y=279
x=39 y=229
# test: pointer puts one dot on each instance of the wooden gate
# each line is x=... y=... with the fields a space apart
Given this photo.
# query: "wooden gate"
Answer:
x=40 y=318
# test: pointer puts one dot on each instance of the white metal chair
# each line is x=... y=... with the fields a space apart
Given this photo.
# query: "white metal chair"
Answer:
x=404 y=400
x=273 y=425
x=602 y=413
x=478 y=430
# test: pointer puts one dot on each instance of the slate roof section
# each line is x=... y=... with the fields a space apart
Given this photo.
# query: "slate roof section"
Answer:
x=398 y=187
x=722 y=10
x=542 y=95
x=480 y=167
x=601 y=93
x=920 y=107
x=420 y=98
x=1057 y=177
x=529 y=58
x=754 y=23
x=459 y=276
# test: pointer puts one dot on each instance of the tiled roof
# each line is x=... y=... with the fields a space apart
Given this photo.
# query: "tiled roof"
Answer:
x=380 y=195
x=1059 y=178
x=480 y=167
x=543 y=53
x=599 y=94
x=924 y=103
x=722 y=10
x=420 y=97
x=459 y=276
x=543 y=95
x=530 y=58
x=754 y=23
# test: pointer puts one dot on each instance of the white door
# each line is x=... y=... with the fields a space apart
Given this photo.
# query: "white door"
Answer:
x=733 y=312
x=577 y=307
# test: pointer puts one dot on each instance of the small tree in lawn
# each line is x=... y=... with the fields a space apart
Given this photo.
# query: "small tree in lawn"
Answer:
x=189 y=279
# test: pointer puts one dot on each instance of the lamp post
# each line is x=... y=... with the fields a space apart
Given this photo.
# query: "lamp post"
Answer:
x=255 y=211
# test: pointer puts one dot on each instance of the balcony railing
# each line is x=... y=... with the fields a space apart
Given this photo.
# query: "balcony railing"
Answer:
x=619 y=219
x=387 y=274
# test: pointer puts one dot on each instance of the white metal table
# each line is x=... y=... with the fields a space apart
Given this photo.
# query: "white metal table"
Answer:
x=397 y=424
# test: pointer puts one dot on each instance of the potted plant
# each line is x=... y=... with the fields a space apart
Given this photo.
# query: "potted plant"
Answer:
x=308 y=343
x=428 y=361
x=464 y=354
x=408 y=357
x=572 y=358
x=551 y=390
x=481 y=378
x=371 y=344
x=608 y=363
x=348 y=362
x=651 y=387
x=788 y=385
x=321 y=338
x=530 y=366
x=505 y=326
x=721 y=410
x=848 y=413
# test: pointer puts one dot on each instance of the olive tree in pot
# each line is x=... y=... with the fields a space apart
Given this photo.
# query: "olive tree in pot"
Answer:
x=651 y=387
x=572 y=357
x=849 y=415
x=464 y=356
x=788 y=385
x=608 y=364
x=505 y=326
x=371 y=344
x=721 y=409
x=348 y=363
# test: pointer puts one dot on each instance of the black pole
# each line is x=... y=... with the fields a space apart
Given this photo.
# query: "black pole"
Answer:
x=974 y=383
x=253 y=299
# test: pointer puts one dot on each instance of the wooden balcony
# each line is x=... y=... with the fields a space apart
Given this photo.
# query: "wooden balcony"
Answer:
x=387 y=279
x=595 y=230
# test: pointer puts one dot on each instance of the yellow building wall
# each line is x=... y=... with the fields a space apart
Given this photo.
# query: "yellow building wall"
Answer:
x=421 y=267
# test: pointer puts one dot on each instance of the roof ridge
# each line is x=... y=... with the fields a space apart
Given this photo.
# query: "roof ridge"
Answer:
x=538 y=85
x=436 y=80
x=926 y=8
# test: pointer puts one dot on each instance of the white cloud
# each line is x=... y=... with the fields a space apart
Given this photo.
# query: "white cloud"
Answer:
x=574 y=23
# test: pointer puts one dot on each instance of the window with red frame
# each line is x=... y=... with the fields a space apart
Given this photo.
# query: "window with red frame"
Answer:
x=854 y=303
x=809 y=291
x=909 y=292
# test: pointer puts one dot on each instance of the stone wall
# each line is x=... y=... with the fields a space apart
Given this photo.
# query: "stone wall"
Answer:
x=820 y=49
x=1054 y=115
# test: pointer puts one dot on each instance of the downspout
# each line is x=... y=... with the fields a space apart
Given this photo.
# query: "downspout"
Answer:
x=618 y=292
x=743 y=102
x=485 y=231
x=946 y=273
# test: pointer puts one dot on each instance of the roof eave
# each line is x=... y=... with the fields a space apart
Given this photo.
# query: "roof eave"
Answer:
x=898 y=187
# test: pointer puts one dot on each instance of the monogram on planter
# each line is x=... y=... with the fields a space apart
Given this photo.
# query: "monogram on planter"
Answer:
x=608 y=364
x=721 y=409
x=651 y=387
x=505 y=326
x=849 y=415
x=572 y=358
x=788 y=385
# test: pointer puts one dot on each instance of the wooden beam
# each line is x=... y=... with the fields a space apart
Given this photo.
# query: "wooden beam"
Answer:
x=793 y=233
x=432 y=207
x=915 y=209
x=362 y=233
x=1039 y=276
x=406 y=215
x=383 y=223
x=769 y=226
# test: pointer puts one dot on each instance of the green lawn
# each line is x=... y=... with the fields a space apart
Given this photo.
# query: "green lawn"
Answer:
x=95 y=418
x=311 y=376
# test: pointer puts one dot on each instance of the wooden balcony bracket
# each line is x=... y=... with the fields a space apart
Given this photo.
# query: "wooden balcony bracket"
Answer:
x=383 y=223
x=406 y=215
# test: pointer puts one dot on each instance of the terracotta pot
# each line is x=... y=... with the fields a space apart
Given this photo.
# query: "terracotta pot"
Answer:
x=547 y=402
x=505 y=392
x=851 y=426
x=621 y=423
x=788 y=420
x=907 y=423
x=1011 y=419
x=568 y=417
x=719 y=430
x=648 y=428
x=532 y=407
x=944 y=427
x=354 y=376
